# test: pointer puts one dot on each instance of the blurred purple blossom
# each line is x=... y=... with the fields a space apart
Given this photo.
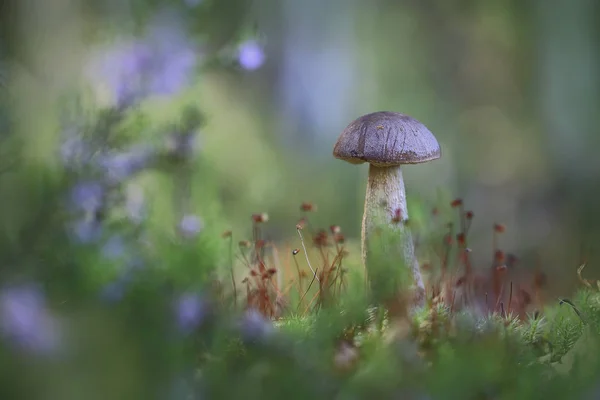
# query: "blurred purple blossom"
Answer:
x=190 y=310
x=120 y=69
x=316 y=82
x=251 y=55
x=115 y=291
x=114 y=248
x=190 y=225
x=72 y=150
x=87 y=196
x=26 y=321
x=86 y=230
x=255 y=327
x=120 y=166
x=159 y=63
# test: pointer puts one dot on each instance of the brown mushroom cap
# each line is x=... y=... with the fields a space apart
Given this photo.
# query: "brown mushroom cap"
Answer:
x=386 y=138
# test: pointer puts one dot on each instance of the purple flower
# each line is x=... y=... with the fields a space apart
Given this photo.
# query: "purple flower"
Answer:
x=72 y=150
x=86 y=230
x=172 y=76
x=119 y=69
x=26 y=321
x=87 y=196
x=255 y=327
x=114 y=248
x=160 y=63
x=115 y=290
x=190 y=311
x=251 y=55
x=190 y=225
x=120 y=166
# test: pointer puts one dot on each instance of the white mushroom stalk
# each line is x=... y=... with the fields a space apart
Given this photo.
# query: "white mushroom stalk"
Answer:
x=387 y=140
x=385 y=207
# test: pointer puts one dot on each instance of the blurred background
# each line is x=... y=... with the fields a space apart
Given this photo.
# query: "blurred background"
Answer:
x=509 y=88
x=236 y=106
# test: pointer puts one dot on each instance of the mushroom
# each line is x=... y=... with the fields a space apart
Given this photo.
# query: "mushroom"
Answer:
x=387 y=140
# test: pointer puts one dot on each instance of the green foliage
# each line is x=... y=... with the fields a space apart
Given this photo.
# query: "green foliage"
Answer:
x=566 y=330
x=588 y=302
x=388 y=272
x=448 y=355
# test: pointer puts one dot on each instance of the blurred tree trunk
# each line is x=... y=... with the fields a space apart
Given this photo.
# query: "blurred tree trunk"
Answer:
x=568 y=66
x=546 y=75
x=315 y=47
x=569 y=103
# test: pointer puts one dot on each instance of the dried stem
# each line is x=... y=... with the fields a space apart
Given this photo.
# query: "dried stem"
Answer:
x=307 y=289
x=300 y=279
x=306 y=254
x=510 y=296
x=231 y=270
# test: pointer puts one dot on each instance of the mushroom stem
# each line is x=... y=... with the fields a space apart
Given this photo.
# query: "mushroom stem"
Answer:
x=386 y=199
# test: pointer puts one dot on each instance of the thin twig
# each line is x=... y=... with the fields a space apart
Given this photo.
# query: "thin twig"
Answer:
x=510 y=296
x=499 y=299
x=288 y=288
x=246 y=260
x=316 y=296
x=337 y=260
x=323 y=255
x=343 y=282
x=277 y=265
x=231 y=269
x=243 y=261
x=300 y=290
x=461 y=217
x=306 y=254
x=307 y=289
